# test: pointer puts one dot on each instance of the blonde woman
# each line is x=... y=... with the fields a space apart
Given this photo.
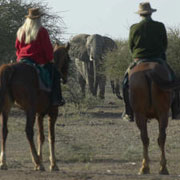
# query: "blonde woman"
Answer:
x=33 y=43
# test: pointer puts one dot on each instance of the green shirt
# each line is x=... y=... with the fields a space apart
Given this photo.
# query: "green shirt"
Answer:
x=147 y=39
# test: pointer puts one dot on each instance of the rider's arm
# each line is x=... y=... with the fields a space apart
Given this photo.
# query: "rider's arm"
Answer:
x=46 y=46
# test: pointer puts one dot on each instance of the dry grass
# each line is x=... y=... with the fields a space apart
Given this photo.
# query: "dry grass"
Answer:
x=94 y=144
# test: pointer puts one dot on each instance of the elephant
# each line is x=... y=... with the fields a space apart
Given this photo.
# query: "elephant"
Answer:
x=115 y=86
x=88 y=52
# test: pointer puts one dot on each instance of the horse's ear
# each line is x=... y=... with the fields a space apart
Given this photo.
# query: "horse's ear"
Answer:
x=67 y=46
x=55 y=46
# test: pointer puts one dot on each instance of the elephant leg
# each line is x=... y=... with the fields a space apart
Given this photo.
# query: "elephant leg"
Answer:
x=92 y=89
x=102 y=85
x=91 y=78
x=96 y=87
x=112 y=86
x=82 y=83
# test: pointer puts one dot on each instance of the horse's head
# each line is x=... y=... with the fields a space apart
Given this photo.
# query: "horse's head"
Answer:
x=62 y=60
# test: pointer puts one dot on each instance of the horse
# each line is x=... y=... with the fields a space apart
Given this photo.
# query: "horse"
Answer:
x=19 y=84
x=150 y=95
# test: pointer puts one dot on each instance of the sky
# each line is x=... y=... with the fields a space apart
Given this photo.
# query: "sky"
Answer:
x=112 y=18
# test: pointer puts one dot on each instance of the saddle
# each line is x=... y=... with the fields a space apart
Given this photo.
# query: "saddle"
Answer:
x=156 y=60
x=44 y=74
x=139 y=61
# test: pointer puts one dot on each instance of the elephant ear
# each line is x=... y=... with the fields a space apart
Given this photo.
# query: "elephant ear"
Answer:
x=95 y=45
x=78 y=47
x=109 y=44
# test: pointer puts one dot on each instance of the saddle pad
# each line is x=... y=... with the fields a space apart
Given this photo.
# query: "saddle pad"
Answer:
x=45 y=78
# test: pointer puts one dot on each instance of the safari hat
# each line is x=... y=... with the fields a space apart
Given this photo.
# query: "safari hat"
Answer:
x=145 y=8
x=34 y=13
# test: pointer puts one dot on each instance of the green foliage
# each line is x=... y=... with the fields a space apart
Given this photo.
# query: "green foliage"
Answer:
x=72 y=92
x=11 y=18
x=173 y=51
x=117 y=61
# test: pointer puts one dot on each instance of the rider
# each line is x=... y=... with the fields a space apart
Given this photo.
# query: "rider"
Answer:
x=33 y=43
x=147 y=40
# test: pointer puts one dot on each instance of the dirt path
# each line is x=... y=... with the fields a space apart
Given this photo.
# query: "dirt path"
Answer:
x=95 y=145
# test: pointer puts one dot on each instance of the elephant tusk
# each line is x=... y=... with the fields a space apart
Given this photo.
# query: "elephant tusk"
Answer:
x=91 y=59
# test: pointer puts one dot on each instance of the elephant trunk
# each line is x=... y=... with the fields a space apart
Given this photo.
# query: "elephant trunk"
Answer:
x=94 y=73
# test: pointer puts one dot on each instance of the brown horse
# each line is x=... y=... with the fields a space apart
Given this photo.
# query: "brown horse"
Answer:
x=149 y=99
x=19 y=84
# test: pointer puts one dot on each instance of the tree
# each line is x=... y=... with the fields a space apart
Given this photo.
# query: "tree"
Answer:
x=173 y=51
x=11 y=18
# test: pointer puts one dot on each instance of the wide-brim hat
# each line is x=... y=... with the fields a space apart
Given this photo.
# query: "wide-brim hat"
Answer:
x=34 y=13
x=145 y=8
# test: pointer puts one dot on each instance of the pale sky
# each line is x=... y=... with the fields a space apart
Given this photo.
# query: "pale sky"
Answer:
x=110 y=17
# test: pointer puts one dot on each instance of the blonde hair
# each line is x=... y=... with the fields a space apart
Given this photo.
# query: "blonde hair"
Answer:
x=29 y=30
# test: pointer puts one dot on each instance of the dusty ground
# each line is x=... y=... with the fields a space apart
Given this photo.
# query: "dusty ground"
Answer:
x=94 y=145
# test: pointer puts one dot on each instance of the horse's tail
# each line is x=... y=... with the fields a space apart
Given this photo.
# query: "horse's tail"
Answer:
x=162 y=83
x=6 y=72
x=149 y=83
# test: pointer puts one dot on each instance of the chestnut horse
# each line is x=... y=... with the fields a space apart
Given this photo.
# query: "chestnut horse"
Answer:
x=19 y=84
x=149 y=99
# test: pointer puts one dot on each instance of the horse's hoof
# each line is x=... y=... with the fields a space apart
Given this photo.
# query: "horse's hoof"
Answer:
x=39 y=168
x=3 y=167
x=144 y=170
x=164 y=171
x=54 y=168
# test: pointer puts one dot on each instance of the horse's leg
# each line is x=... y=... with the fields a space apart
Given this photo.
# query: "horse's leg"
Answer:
x=163 y=122
x=4 y=130
x=141 y=122
x=41 y=136
x=30 y=134
x=51 y=137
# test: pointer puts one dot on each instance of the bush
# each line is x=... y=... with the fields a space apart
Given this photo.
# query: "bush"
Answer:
x=117 y=61
x=173 y=51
